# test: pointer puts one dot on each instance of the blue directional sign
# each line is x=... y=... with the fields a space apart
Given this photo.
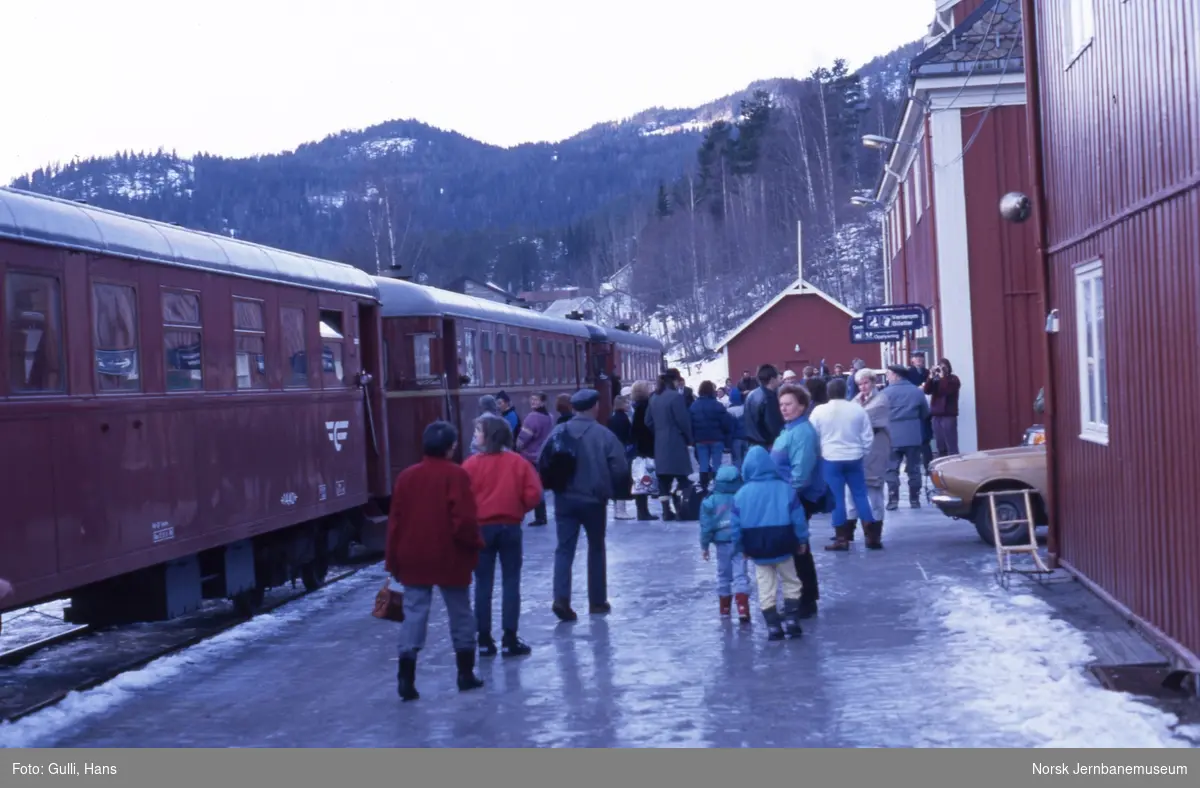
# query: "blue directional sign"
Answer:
x=861 y=335
x=897 y=317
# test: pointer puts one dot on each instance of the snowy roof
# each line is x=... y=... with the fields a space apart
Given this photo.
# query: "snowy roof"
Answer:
x=39 y=219
x=988 y=41
x=565 y=306
x=800 y=287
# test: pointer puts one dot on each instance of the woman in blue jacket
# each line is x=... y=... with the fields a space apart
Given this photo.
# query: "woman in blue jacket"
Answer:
x=710 y=430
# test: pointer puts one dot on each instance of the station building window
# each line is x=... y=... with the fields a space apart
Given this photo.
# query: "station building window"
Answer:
x=115 y=336
x=1093 y=369
x=295 y=356
x=250 y=340
x=33 y=311
x=182 y=340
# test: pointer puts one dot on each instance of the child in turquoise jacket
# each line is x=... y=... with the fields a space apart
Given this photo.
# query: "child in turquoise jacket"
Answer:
x=715 y=515
x=769 y=527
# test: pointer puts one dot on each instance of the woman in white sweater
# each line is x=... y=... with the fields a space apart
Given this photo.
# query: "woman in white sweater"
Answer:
x=846 y=436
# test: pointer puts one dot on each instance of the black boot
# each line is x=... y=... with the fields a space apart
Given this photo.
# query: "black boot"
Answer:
x=893 y=498
x=467 y=680
x=513 y=645
x=914 y=497
x=406 y=686
x=705 y=478
x=487 y=646
x=643 y=508
x=668 y=515
x=539 y=514
x=774 y=625
x=791 y=618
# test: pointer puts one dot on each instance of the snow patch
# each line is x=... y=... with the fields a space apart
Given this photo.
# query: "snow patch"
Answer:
x=1035 y=665
x=373 y=149
x=654 y=130
x=42 y=728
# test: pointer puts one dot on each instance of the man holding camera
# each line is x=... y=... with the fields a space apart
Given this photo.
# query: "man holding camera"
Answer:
x=943 y=387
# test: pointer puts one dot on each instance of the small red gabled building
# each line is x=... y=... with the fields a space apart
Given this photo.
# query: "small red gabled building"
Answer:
x=795 y=329
x=959 y=147
x=1117 y=211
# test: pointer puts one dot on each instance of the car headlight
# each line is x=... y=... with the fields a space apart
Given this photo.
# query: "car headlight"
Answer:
x=936 y=478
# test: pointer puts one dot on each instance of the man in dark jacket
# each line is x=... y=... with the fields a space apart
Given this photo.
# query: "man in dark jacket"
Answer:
x=761 y=413
x=909 y=410
x=600 y=465
x=688 y=395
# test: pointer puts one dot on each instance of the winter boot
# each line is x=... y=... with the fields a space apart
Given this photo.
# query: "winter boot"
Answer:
x=851 y=525
x=914 y=497
x=487 y=646
x=668 y=515
x=726 y=605
x=791 y=618
x=841 y=541
x=743 y=608
x=602 y=609
x=873 y=535
x=620 y=512
x=774 y=624
x=562 y=609
x=893 y=498
x=643 y=508
x=539 y=514
x=808 y=608
x=467 y=680
x=705 y=479
x=406 y=686
x=513 y=645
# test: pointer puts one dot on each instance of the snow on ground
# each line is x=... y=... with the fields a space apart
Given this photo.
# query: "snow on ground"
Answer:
x=26 y=625
x=716 y=370
x=39 y=730
x=1037 y=665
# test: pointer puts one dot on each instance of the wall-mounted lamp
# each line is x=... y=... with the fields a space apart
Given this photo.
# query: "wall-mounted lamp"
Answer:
x=876 y=142
x=1052 y=322
x=796 y=349
x=865 y=202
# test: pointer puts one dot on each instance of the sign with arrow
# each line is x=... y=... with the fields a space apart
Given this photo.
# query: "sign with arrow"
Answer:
x=897 y=317
x=861 y=335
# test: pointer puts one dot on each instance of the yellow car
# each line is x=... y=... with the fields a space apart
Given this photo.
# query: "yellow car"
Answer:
x=959 y=479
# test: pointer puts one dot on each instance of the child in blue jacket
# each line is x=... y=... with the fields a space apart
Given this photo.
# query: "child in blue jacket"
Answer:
x=769 y=527
x=716 y=513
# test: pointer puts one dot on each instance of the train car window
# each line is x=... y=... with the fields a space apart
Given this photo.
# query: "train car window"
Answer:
x=467 y=354
x=115 y=335
x=489 y=371
x=557 y=372
x=182 y=340
x=333 y=342
x=545 y=376
x=295 y=347
x=250 y=342
x=530 y=375
x=502 y=365
x=33 y=308
x=423 y=356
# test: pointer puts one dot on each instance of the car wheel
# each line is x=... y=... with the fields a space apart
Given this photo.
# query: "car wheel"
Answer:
x=1008 y=508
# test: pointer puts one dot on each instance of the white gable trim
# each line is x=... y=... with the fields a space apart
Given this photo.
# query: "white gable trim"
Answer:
x=799 y=287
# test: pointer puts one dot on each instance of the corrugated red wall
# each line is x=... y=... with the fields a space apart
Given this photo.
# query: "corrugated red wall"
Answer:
x=1006 y=309
x=1122 y=161
x=820 y=328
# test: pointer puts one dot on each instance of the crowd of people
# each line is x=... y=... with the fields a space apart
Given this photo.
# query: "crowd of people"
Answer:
x=798 y=446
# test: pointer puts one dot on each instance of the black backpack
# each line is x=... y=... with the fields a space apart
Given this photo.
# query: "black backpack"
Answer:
x=557 y=463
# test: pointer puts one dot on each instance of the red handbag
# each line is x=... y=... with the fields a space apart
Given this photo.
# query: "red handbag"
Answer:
x=389 y=604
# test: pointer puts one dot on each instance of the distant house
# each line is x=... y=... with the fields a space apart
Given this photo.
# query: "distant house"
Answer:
x=486 y=290
x=795 y=329
x=960 y=146
x=566 y=306
x=540 y=299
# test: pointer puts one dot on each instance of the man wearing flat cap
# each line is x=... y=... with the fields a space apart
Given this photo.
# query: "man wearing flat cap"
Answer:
x=600 y=464
x=909 y=409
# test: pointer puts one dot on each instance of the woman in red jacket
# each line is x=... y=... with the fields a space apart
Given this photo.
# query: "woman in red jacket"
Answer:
x=505 y=487
x=433 y=539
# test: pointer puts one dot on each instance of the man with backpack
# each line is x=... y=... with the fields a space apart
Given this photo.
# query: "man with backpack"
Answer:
x=582 y=462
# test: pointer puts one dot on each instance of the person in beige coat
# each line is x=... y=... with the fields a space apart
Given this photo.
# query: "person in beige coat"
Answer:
x=875 y=463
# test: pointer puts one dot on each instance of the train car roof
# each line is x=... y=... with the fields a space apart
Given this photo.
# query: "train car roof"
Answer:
x=40 y=219
x=627 y=338
x=407 y=299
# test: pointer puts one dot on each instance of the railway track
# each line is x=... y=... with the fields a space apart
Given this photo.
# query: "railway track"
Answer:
x=51 y=691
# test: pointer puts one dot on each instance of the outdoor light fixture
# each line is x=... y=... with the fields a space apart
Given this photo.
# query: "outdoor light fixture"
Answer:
x=876 y=142
x=865 y=202
x=796 y=349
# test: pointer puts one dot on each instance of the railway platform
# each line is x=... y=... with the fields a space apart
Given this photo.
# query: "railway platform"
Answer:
x=914 y=645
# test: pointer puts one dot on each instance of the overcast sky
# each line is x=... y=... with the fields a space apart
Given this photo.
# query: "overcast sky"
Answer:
x=240 y=77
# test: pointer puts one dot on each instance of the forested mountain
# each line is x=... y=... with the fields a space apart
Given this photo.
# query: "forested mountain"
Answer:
x=701 y=203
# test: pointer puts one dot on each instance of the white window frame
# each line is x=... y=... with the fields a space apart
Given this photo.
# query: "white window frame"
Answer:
x=918 y=181
x=1091 y=428
x=1080 y=28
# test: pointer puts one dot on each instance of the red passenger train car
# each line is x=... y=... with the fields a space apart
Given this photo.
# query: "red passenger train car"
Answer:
x=164 y=438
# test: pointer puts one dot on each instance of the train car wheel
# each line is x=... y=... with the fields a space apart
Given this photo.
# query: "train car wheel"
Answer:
x=313 y=573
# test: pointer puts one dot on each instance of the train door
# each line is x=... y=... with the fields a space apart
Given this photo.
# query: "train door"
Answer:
x=373 y=351
x=600 y=356
x=452 y=366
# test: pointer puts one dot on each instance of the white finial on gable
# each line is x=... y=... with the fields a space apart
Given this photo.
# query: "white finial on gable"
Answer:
x=800 y=252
